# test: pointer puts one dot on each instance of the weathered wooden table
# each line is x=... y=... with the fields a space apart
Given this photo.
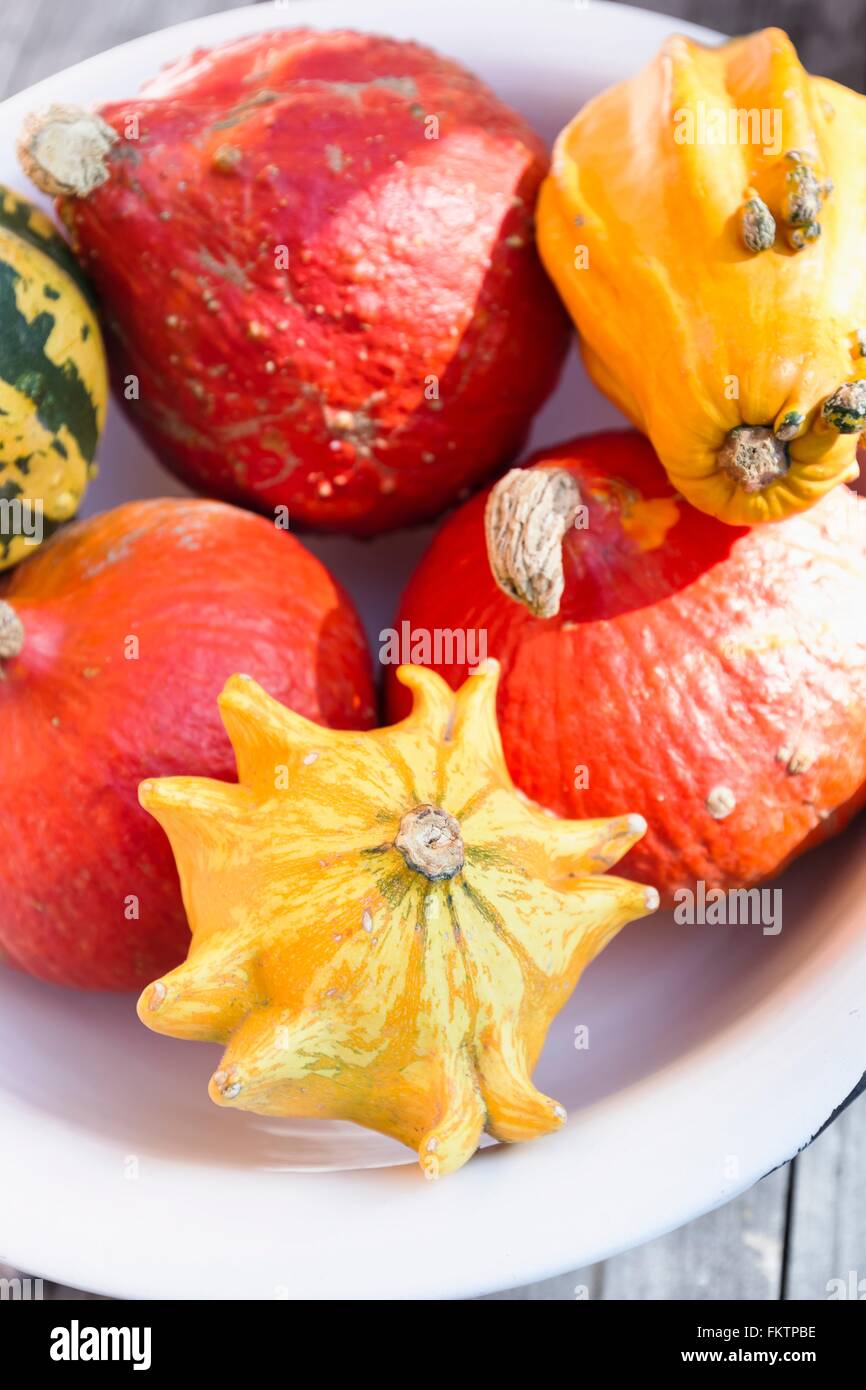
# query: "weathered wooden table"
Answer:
x=804 y=1226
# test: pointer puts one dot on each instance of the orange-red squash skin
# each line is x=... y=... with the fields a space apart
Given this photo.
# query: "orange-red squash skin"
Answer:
x=131 y=624
x=316 y=256
x=711 y=678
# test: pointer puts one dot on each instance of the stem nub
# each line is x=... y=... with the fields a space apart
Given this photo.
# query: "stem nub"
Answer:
x=845 y=410
x=11 y=632
x=757 y=224
x=63 y=149
x=431 y=843
x=754 y=457
x=527 y=515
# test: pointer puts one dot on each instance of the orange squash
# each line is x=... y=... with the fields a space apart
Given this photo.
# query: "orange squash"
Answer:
x=705 y=222
x=115 y=639
x=711 y=678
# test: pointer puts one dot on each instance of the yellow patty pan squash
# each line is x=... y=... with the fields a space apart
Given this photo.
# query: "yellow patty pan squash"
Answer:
x=705 y=223
x=53 y=380
x=382 y=927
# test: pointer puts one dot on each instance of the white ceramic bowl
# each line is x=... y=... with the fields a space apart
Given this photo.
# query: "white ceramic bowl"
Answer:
x=715 y=1053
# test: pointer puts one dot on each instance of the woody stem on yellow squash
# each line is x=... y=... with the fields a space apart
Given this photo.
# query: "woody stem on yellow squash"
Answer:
x=431 y=843
x=387 y=939
x=753 y=456
x=845 y=410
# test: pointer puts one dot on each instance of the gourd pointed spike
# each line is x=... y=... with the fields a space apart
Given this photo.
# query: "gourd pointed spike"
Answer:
x=168 y=795
x=226 y=1085
x=475 y=725
x=191 y=808
x=479 y=688
x=260 y=728
x=206 y=998
x=604 y=904
x=432 y=697
x=281 y=1063
x=453 y=1141
x=516 y=1110
x=616 y=837
x=464 y=937
x=581 y=847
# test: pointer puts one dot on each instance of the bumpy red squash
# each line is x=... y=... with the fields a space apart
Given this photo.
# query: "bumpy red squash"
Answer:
x=712 y=678
x=316 y=256
x=115 y=639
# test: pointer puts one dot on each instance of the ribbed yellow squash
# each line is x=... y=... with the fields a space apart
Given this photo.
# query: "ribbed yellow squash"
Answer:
x=53 y=380
x=383 y=927
x=705 y=224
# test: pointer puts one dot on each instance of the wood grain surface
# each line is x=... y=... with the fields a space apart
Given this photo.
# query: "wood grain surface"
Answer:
x=803 y=1227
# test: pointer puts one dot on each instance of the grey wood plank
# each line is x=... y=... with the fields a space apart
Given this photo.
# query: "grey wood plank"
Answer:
x=827 y=35
x=827 y=1239
x=49 y=42
x=20 y=18
x=734 y=1252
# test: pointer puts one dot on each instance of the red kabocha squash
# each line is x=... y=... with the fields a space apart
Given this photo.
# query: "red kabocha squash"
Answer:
x=712 y=678
x=315 y=252
x=115 y=639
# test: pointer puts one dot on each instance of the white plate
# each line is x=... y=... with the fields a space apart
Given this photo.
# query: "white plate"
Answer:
x=715 y=1053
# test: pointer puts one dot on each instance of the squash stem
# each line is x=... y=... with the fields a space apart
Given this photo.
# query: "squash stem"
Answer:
x=754 y=457
x=431 y=843
x=526 y=518
x=63 y=150
x=845 y=410
x=11 y=632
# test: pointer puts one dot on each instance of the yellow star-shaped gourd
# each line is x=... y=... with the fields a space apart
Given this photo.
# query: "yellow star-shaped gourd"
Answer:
x=383 y=927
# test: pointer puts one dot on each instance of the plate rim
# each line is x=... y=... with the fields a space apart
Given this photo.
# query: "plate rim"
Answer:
x=32 y=1244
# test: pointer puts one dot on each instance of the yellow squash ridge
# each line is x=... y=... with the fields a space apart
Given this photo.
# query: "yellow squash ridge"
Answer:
x=383 y=928
x=704 y=223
